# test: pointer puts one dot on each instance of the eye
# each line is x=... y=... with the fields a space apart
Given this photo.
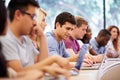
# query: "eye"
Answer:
x=68 y=28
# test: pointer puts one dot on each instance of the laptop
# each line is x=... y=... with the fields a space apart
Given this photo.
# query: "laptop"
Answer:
x=113 y=59
x=97 y=65
x=93 y=67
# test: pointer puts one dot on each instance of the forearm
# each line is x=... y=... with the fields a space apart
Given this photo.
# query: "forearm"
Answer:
x=47 y=61
x=98 y=58
x=43 y=49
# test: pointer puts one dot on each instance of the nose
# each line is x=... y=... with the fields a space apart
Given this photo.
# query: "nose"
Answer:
x=34 y=22
x=45 y=24
x=69 y=31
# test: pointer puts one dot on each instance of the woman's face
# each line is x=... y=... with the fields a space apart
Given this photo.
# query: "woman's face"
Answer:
x=114 y=33
x=43 y=22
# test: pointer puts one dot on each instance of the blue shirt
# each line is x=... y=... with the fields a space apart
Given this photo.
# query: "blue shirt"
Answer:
x=55 y=48
x=95 y=46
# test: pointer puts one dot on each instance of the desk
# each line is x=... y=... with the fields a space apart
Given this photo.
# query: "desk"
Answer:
x=86 y=75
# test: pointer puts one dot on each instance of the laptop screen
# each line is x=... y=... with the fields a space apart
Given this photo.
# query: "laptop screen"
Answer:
x=83 y=50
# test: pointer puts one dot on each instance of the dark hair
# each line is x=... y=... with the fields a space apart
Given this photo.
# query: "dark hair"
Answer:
x=80 y=21
x=3 y=20
x=3 y=16
x=115 y=41
x=20 y=5
x=104 y=33
x=3 y=64
x=65 y=17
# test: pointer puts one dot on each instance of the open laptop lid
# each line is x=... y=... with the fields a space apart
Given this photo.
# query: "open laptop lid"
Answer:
x=82 y=53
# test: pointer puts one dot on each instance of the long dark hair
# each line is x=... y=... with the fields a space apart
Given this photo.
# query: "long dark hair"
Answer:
x=3 y=21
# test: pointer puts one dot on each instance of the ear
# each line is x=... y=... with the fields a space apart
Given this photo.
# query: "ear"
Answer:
x=17 y=15
x=57 y=25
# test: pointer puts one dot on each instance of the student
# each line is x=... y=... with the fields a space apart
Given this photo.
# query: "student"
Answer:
x=36 y=40
x=18 y=48
x=40 y=20
x=113 y=42
x=78 y=32
x=64 y=23
x=98 y=43
x=4 y=73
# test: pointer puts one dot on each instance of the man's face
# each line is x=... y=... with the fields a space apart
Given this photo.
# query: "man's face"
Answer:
x=28 y=20
x=64 y=30
x=80 y=32
x=104 y=40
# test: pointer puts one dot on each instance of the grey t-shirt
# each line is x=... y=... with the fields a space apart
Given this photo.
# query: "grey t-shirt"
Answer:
x=55 y=48
x=15 y=50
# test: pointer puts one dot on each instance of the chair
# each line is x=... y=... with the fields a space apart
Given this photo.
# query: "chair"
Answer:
x=111 y=72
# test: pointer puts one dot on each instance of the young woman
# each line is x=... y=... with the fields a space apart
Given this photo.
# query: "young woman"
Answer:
x=113 y=49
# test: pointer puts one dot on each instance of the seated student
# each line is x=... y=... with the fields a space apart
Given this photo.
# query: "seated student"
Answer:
x=4 y=74
x=40 y=20
x=113 y=50
x=78 y=32
x=17 y=47
x=98 y=44
x=64 y=23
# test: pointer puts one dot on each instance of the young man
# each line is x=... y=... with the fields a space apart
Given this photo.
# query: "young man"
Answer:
x=18 y=49
x=64 y=23
x=98 y=44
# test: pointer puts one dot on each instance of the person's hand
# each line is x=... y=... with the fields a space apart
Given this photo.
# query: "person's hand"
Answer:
x=62 y=62
x=56 y=71
x=87 y=62
x=38 y=30
x=90 y=57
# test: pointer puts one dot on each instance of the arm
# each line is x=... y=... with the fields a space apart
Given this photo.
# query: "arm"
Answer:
x=71 y=52
x=73 y=58
x=98 y=58
x=17 y=66
x=56 y=71
x=43 y=45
